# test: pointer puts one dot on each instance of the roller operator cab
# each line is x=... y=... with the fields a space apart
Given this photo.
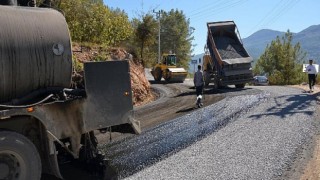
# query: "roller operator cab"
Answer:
x=44 y=123
x=168 y=70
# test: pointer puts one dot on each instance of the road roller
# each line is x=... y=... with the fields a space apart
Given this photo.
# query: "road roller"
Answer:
x=168 y=70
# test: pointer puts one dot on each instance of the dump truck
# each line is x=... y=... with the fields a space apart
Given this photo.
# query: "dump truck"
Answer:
x=168 y=69
x=43 y=122
x=226 y=61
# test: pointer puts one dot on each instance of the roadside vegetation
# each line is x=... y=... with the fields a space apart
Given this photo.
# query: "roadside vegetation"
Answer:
x=92 y=23
x=282 y=62
x=101 y=33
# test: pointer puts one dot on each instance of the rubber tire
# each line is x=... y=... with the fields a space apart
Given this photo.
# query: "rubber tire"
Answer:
x=206 y=78
x=158 y=71
x=240 y=85
x=167 y=78
x=20 y=145
x=216 y=83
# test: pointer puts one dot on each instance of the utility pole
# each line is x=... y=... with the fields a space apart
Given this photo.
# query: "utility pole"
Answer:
x=158 y=14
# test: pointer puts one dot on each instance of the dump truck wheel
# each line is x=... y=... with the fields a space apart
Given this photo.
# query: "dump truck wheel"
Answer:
x=19 y=158
x=240 y=85
x=206 y=76
x=216 y=83
x=157 y=74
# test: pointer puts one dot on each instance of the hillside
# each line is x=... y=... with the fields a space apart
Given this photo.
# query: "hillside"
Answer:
x=257 y=42
x=142 y=92
x=309 y=39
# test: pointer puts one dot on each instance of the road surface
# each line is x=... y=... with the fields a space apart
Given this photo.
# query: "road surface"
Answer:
x=255 y=133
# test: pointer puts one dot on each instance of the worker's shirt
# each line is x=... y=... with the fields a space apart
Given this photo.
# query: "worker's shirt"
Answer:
x=198 y=78
x=311 y=69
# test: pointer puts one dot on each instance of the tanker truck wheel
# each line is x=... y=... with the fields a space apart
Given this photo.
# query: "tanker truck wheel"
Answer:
x=19 y=158
x=240 y=86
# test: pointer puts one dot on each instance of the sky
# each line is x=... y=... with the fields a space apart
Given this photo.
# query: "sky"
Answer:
x=249 y=15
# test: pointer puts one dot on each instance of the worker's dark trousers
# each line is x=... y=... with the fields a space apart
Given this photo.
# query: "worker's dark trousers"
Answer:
x=312 y=80
x=199 y=90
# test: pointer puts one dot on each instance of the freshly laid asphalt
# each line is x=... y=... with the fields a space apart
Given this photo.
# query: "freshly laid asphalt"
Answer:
x=244 y=136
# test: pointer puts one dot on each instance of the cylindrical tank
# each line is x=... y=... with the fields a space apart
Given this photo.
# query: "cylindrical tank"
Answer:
x=35 y=51
x=8 y=2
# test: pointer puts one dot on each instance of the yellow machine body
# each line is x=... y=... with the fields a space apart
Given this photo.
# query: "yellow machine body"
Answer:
x=168 y=69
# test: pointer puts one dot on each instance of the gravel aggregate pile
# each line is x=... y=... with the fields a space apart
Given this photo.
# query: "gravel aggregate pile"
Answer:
x=241 y=137
x=229 y=48
x=132 y=155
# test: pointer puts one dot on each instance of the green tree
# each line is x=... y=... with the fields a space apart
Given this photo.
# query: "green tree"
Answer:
x=94 y=22
x=119 y=28
x=282 y=61
x=145 y=33
x=176 y=35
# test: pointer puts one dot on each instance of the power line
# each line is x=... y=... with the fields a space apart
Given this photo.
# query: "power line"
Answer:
x=277 y=11
x=213 y=8
x=207 y=6
x=281 y=12
x=219 y=9
x=262 y=21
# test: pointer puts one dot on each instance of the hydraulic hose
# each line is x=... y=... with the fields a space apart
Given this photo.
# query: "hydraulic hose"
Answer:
x=28 y=105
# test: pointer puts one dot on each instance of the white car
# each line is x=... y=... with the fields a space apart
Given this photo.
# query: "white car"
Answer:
x=260 y=80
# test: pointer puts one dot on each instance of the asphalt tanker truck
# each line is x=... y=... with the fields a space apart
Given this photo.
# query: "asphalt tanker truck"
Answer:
x=226 y=61
x=44 y=123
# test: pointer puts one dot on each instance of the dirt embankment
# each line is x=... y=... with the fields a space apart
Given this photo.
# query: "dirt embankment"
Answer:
x=140 y=85
x=312 y=169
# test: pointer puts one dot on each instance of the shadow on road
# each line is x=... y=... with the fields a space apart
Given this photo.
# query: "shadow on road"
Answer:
x=164 y=82
x=228 y=89
x=211 y=90
x=185 y=110
x=157 y=82
x=294 y=104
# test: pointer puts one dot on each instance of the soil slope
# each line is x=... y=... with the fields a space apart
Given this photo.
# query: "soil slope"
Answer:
x=140 y=85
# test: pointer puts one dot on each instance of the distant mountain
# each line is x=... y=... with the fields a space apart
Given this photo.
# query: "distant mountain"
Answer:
x=309 y=39
x=257 y=42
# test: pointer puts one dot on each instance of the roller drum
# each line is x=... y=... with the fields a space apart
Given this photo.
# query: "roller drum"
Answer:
x=35 y=51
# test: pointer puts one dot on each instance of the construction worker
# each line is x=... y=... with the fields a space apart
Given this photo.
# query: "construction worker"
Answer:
x=198 y=83
x=312 y=74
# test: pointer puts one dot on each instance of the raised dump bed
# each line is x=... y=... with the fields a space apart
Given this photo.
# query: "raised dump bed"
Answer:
x=226 y=61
